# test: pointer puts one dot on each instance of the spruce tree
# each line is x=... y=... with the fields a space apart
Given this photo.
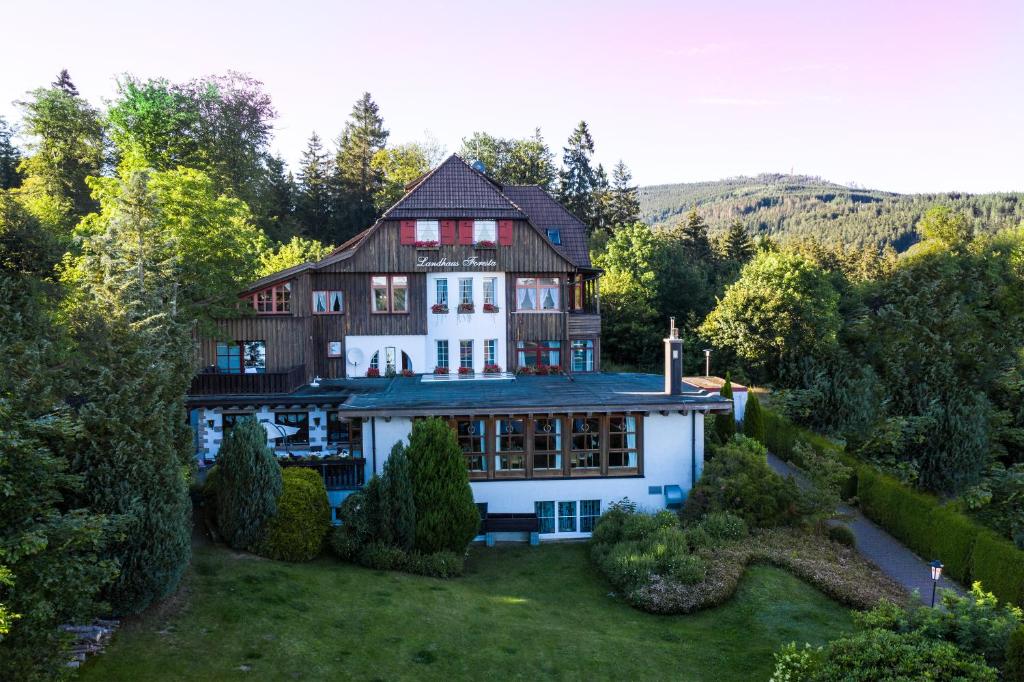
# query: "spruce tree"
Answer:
x=248 y=486
x=10 y=157
x=624 y=204
x=313 y=195
x=693 y=232
x=356 y=181
x=446 y=518
x=578 y=179
x=64 y=83
x=725 y=424
x=753 y=419
x=737 y=245
x=401 y=505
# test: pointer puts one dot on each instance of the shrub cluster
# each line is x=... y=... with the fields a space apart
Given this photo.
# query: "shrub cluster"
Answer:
x=383 y=557
x=968 y=550
x=739 y=480
x=296 y=532
x=782 y=437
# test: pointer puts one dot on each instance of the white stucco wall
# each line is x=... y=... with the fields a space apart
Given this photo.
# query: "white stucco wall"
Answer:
x=413 y=345
x=476 y=326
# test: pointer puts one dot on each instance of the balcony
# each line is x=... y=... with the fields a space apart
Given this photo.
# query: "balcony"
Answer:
x=338 y=474
x=212 y=382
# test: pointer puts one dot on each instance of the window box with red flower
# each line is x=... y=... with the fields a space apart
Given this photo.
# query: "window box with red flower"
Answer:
x=426 y=245
x=492 y=369
x=466 y=308
x=486 y=244
x=373 y=372
x=465 y=371
x=408 y=373
x=491 y=308
x=439 y=308
x=441 y=371
x=526 y=371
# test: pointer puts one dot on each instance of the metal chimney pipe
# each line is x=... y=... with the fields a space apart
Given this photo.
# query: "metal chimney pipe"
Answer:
x=673 y=360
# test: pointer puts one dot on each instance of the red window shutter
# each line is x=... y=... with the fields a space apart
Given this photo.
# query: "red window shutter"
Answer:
x=447 y=231
x=505 y=232
x=466 y=232
x=408 y=233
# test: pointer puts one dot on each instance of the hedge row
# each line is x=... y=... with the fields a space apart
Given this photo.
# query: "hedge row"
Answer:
x=968 y=550
x=783 y=435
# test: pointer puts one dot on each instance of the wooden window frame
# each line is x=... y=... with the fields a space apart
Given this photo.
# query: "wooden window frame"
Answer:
x=355 y=433
x=328 y=295
x=592 y=351
x=278 y=305
x=638 y=426
x=240 y=345
x=389 y=295
x=520 y=472
x=536 y=287
x=234 y=414
x=537 y=350
x=283 y=443
x=558 y=453
x=484 y=456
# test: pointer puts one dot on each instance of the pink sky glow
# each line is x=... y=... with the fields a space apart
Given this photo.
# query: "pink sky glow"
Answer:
x=905 y=96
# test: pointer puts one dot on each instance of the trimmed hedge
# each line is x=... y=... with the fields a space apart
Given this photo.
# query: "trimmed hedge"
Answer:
x=782 y=435
x=968 y=551
x=296 y=532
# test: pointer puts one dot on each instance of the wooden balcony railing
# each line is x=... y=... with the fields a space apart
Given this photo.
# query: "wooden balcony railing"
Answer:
x=210 y=382
x=338 y=474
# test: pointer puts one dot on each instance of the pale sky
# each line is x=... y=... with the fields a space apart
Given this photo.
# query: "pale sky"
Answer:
x=903 y=96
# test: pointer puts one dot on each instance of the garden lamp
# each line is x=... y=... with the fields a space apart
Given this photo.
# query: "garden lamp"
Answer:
x=936 y=567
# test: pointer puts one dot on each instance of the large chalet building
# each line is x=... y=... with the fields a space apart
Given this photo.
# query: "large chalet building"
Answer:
x=475 y=302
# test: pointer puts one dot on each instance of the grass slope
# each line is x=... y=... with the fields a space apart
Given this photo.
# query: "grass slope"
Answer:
x=519 y=613
x=802 y=206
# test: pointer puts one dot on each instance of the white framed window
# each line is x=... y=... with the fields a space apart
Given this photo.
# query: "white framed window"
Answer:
x=567 y=516
x=428 y=231
x=490 y=288
x=466 y=353
x=442 y=353
x=545 y=511
x=538 y=293
x=590 y=510
x=441 y=291
x=582 y=355
x=485 y=231
x=465 y=291
x=490 y=351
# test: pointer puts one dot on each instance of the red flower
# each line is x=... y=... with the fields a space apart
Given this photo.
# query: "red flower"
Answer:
x=465 y=370
x=492 y=369
x=407 y=373
x=426 y=245
x=441 y=370
x=373 y=372
x=439 y=308
x=490 y=308
x=485 y=244
x=466 y=307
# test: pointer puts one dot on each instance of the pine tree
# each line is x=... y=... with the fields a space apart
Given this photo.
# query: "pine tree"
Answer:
x=10 y=157
x=753 y=419
x=277 y=201
x=725 y=424
x=578 y=179
x=624 y=203
x=64 y=83
x=446 y=518
x=694 y=235
x=313 y=197
x=356 y=181
x=401 y=505
x=248 y=486
x=602 y=195
x=737 y=245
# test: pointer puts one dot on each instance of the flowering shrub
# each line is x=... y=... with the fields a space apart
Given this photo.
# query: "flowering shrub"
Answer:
x=492 y=369
x=490 y=308
x=426 y=245
x=525 y=371
x=544 y=370
x=407 y=373
x=439 y=308
x=485 y=244
x=466 y=307
x=465 y=370
x=441 y=371
x=373 y=372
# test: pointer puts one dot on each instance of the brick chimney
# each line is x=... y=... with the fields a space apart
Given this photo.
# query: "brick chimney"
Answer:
x=673 y=361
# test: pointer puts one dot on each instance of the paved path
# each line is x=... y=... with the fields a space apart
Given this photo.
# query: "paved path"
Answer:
x=894 y=558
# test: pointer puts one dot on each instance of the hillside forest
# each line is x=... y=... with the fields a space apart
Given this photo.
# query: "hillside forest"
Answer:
x=125 y=228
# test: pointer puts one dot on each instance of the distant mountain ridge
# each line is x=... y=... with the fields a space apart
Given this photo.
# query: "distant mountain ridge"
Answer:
x=801 y=206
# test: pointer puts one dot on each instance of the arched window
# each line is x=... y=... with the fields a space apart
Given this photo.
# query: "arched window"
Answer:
x=375 y=361
x=406 y=362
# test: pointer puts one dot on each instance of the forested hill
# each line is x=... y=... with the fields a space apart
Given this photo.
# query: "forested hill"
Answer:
x=803 y=206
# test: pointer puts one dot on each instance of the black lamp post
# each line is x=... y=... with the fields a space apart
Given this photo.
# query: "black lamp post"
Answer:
x=936 y=567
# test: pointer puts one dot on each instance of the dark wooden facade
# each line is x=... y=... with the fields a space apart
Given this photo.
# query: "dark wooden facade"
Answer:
x=300 y=338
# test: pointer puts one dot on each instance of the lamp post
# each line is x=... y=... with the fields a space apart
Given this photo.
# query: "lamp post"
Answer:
x=936 y=567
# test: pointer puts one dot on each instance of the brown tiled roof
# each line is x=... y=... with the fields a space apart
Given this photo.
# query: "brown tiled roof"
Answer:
x=454 y=190
x=545 y=212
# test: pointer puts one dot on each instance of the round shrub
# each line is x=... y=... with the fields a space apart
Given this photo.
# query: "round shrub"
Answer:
x=382 y=557
x=628 y=565
x=842 y=535
x=698 y=538
x=688 y=569
x=296 y=532
x=343 y=544
x=724 y=526
x=436 y=565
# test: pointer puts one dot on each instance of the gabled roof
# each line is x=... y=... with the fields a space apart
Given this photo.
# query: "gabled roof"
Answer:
x=454 y=190
x=547 y=213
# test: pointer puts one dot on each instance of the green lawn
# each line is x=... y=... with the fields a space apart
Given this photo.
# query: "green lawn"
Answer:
x=519 y=612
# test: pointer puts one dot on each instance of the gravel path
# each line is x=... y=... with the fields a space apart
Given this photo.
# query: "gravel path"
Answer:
x=889 y=554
